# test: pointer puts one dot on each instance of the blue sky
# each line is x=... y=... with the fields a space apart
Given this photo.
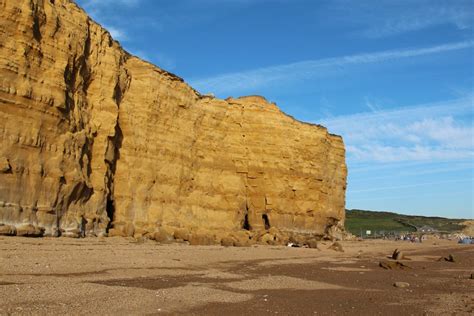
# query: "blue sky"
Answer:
x=394 y=78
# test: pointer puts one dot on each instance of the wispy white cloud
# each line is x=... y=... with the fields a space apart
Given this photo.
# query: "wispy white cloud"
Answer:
x=385 y=18
x=429 y=132
x=420 y=15
x=393 y=153
x=412 y=185
x=257 y=78
x=385 y=172
x=416 y=23
x=374 y=107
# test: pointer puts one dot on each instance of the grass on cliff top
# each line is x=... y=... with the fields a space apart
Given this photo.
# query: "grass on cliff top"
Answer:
x=358 y=221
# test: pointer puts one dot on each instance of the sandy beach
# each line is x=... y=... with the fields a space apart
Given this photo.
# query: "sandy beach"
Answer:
x=122 y=276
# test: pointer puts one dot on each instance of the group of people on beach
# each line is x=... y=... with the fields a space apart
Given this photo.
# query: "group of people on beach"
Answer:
x=412 y=238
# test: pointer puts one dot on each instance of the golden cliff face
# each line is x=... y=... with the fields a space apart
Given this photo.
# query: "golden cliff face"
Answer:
x=90 y=134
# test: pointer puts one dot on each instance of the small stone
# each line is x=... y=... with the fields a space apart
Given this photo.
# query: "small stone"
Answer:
x=28 y=230
x=450 y=258
x=390 y=265
x=312 y=243
x=181 y=233
x=336 y=246
x=115 y=233
x=267 y=238
x=5 y=165
x=139 y=239
x=397 y=255
x=401 y=284
x=7 y=230
x=200 y=238
x=163 y=235
x=227 y=242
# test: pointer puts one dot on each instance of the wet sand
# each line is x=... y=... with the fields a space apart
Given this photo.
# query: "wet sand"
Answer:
x=121 y=276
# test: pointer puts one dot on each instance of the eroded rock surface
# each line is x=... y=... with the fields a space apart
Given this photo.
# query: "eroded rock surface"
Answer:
x=95 y=141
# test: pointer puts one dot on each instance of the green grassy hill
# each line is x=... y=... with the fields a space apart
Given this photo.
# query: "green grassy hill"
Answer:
x=358 y=221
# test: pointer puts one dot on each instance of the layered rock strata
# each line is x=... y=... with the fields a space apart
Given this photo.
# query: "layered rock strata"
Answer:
x=94 y=141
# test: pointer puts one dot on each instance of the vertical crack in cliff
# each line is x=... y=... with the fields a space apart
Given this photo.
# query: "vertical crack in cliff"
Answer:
x=77 y=77
x=266 y=221
x=187 y=172
x=114 y=143
x=39 y=19
x=111 y=158
x=245 y=222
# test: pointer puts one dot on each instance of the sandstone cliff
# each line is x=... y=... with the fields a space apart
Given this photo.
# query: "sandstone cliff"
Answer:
x=96 y=141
